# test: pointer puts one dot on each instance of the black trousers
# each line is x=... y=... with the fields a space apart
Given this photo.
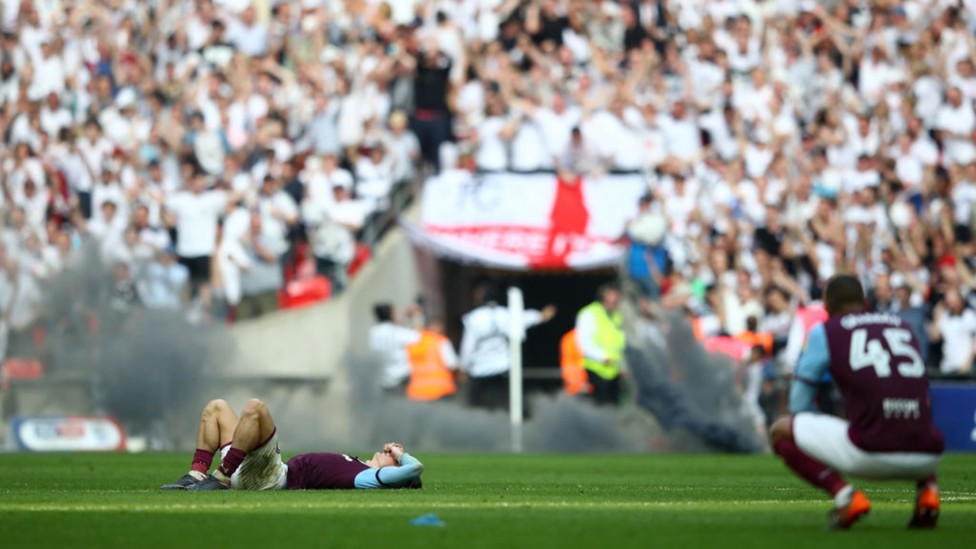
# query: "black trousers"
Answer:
x=606 y=392
x=489 y=392
x=431 y=132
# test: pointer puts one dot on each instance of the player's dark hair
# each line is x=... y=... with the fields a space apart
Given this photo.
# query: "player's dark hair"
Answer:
x=415 y=484
x=843 y=291
x=383 y=312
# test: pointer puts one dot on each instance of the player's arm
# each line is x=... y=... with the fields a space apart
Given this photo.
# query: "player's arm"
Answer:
x=395 y=476
x=813 y=365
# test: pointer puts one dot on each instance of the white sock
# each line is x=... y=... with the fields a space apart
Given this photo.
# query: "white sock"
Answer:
x=844 y=496
x=198 y=475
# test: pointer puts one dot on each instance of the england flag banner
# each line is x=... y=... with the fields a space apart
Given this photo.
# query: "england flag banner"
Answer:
x=527 y=221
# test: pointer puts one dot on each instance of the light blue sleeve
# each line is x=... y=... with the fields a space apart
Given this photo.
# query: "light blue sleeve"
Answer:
x=390 y=477
x=813 y=365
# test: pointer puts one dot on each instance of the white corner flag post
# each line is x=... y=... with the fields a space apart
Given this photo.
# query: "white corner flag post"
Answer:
x=516 y=333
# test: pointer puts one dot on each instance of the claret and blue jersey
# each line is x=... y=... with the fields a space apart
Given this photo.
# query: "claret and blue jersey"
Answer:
x=329 y=471
x=875 y=361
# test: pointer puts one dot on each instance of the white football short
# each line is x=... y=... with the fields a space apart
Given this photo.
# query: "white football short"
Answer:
x=825 y=439
x=262 y=469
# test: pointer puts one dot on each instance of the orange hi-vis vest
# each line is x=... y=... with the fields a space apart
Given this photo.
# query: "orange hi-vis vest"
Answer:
x=575 y=380
x=430 y=379
x=764 y=339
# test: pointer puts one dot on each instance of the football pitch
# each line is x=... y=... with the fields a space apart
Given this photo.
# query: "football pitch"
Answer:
x=498 y=501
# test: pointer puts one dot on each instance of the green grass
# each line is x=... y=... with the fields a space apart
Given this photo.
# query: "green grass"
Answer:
x=497 y=501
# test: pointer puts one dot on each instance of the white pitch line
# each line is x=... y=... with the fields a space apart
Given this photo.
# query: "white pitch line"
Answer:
x=129 y=507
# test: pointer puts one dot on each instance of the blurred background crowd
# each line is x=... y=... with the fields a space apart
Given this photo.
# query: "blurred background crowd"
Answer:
x=208 y=153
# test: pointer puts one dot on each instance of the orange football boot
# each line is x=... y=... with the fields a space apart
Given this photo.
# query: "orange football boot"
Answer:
x=842 y=518
x=926 y=509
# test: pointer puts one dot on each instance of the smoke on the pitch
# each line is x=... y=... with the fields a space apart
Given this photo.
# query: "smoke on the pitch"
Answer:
x=144 y=365
x=701 y=412
x=150 y=366
x=690 y=393
x=556 y=424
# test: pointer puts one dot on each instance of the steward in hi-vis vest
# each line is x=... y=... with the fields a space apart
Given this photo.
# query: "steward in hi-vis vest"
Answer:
x=571 y=366
x=432 y=366
x=601 y=339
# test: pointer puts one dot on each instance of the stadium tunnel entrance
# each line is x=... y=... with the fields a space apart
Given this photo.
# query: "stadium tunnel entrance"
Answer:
x=449 y=290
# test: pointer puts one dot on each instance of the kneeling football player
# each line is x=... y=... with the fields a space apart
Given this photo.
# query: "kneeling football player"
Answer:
x=889 y=434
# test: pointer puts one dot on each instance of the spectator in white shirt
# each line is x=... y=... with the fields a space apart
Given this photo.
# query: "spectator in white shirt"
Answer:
x=965 y=79
x=389 y=341
x=22 y=301
x=319 y=186
x=484 y=347
x=374 y=177
x=681 y=134
x=107 y=225
x=493 y=137
x=403 y=147
x=197 y=211
x=334 y=248
x=35 y=199
x=262 y=279
x=278 y=210
x=94 y=150
x=164 y=283
x=248 y=35
x=956 y=122
x=48 y=73
x=108 y=188
x=54 y=117
x=528 y=148
x=955 y=325
x=348 y=211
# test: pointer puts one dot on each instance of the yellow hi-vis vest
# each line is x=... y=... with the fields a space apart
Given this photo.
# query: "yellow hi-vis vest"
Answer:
x=609 y=337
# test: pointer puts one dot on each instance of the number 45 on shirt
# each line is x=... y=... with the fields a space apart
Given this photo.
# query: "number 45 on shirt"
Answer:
x=871 y=353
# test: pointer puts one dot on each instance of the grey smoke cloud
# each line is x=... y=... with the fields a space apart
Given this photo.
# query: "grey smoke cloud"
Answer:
x=699 y=412
x=690 y=392
x=156 y=366
x=144 y=364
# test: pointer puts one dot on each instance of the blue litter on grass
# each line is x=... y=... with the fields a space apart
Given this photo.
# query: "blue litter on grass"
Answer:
x=427 y=520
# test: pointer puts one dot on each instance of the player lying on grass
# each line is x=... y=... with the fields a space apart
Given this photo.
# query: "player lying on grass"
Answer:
x=889 y=434
x=251 y=459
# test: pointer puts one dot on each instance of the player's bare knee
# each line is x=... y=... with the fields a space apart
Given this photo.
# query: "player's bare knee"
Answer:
x=215 y=406
x=255 y=403
x=254 y=409
x=782 y=429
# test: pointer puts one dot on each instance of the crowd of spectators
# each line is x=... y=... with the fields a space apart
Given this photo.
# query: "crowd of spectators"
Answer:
x=197 y=143
x=200 y=153
x=804 y=139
